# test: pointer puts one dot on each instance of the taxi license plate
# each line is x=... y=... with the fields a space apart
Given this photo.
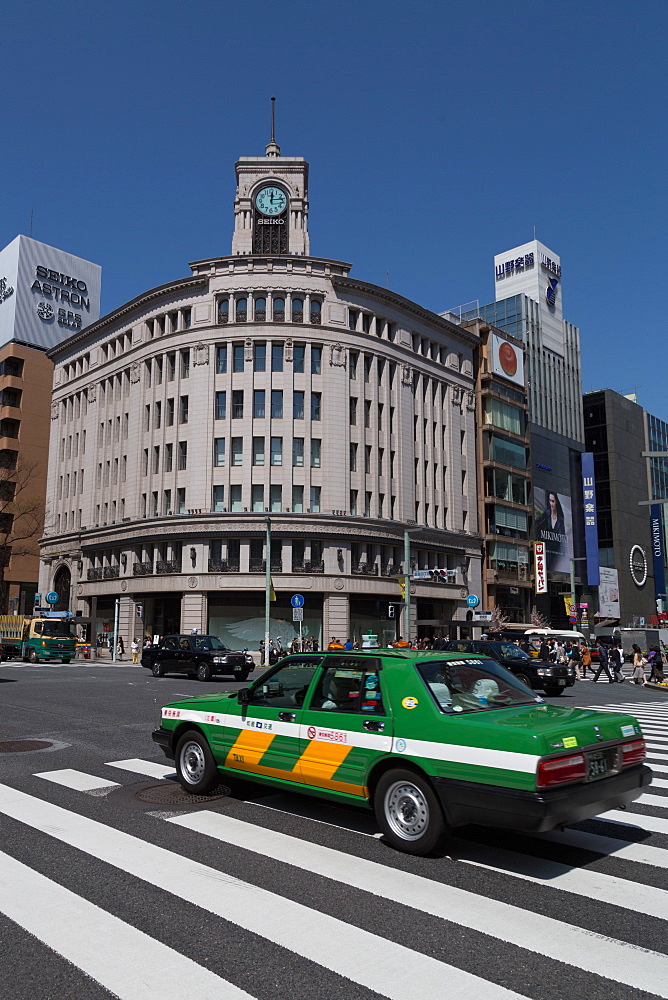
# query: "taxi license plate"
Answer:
x=598 y=765
x=562 y=681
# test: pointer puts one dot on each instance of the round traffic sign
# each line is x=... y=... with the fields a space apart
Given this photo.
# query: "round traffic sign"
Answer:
x=473 y=601
x=297 y=601
x=52 y=597
x=572 y=619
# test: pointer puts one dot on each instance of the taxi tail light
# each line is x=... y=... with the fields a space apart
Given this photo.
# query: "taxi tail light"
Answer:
x=633 y=752
x=556 y=772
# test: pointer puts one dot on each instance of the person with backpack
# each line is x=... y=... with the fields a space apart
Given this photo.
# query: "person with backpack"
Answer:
x=617 y=662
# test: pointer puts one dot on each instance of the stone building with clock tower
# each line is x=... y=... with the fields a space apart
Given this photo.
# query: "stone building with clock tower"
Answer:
x=267 y=383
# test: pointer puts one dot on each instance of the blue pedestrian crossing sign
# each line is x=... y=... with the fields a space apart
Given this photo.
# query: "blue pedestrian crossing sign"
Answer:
x=297 y=601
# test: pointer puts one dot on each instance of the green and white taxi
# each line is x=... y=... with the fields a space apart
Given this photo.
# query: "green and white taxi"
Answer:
x=429 y=740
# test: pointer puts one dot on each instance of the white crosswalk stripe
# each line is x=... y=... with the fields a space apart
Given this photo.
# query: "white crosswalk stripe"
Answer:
x=620 y=841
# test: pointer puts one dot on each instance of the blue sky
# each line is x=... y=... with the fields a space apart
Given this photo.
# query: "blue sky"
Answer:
x=438 y=134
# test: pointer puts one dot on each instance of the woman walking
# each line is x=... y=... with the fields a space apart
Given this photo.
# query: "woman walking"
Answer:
x=639 y=663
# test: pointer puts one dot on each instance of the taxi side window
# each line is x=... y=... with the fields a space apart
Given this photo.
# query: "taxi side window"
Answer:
x=459 y=647
x=286 y=686
x=168 y=644
x=38 y=628
x=184 y=644
x=349 y=687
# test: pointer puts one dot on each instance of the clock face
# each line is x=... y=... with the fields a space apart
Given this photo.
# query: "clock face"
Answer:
x=271 y=201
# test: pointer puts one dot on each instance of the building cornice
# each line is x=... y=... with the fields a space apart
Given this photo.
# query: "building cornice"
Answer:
x=392 y=298
x=110 y=319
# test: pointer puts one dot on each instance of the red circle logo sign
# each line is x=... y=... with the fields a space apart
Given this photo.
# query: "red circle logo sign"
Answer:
x=311 y=732
x=508 y=358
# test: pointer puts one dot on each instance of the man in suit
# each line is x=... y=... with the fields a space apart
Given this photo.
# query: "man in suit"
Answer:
x=603 y=664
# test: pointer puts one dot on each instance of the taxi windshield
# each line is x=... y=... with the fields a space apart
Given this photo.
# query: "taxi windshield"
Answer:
x=59 y=630
x=472 y=685
x=510 y=651
x=209 y=642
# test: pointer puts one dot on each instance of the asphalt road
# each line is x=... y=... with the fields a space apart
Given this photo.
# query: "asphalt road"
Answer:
x=124 y=888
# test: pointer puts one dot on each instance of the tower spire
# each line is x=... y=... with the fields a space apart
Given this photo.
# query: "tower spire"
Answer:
x=273 y=149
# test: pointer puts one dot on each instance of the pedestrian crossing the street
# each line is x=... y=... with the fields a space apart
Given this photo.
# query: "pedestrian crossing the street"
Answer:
x=328 y=909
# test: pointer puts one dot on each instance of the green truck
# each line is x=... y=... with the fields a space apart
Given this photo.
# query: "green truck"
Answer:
x=47 y=636
x=429 y=740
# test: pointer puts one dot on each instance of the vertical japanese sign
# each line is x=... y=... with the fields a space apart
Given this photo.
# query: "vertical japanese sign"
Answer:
x=657 y=550
x=540 y=567
x=590 y=518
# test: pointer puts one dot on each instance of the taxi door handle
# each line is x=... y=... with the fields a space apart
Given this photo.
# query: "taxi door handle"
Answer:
x=373 y=726
x=287 y=716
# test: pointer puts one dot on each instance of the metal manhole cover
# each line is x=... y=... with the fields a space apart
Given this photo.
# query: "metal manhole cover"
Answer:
x=169 y=793
x=22 y=746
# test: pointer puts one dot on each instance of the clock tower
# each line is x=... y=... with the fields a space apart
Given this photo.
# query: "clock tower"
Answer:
x=271 y=204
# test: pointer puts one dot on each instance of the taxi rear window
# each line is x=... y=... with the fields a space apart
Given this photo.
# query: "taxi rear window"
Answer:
x=472 y=684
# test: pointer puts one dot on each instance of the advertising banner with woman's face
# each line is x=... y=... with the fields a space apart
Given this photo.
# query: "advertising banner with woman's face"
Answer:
x=554 y=527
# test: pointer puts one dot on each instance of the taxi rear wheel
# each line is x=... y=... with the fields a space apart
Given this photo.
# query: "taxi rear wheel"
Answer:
x=408 y=812
x=158 y=670
x=195 y=766
x=553 y=691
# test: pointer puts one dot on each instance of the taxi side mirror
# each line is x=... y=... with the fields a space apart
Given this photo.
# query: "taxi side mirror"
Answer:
x=243 y=696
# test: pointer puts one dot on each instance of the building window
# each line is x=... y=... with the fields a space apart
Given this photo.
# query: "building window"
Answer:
x=237 y=404
x=352 y=365
x=258 y=403
x=315 y=499
x=298 y=355
x=181 y=500
x=156 y=459
x=316 y=407
x=367 y=413
x=183 y=455
x=158 y=371
x=275 y=499
x=237 y=450
x=316 y=312
x=315 y=453
x=297 y=311
x=507 y=452
x=366 y=322
x=185 y=364
x=221 y=405
x=237 y=357
x=316 y=360
x=367 y=505
x=260 y=310
x=367 y=458
x=298 y=406
x=353 y=316
x=223 y=311
x=167 y=501
x=353 y=457
x=219 y=498
x=221 y=359
x=171 y=366
x=183 y=410
x=298 y=452
x=258 y=451
x=298 y=499
x=242 y=310
x=169 y=457
x=157 y=419
x=503 y=415
x=277 y=403
x=235 y=498
x=279 y=310
x=277 y=451
x=259 y=357
x=277 y=357
x=257 y=498
x=353 y=411
x=367 y=367
x=219 y=452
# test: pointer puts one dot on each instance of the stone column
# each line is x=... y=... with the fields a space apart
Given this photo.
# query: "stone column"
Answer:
x=128 y=625
x=335 y=617
x=194 y=611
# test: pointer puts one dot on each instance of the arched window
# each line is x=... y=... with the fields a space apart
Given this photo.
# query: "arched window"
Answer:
x=315 y=312
x=260 y=310
x=279 y=310
x=224 y=311
x=242 y=310
x=61 y=584
x=297 y=311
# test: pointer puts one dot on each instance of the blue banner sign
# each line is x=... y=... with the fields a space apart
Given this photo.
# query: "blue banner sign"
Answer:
x=590 y=518
x=657 y=550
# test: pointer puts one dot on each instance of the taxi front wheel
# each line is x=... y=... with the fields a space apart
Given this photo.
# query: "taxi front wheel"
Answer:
x=195 y=766
x=408 y=812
